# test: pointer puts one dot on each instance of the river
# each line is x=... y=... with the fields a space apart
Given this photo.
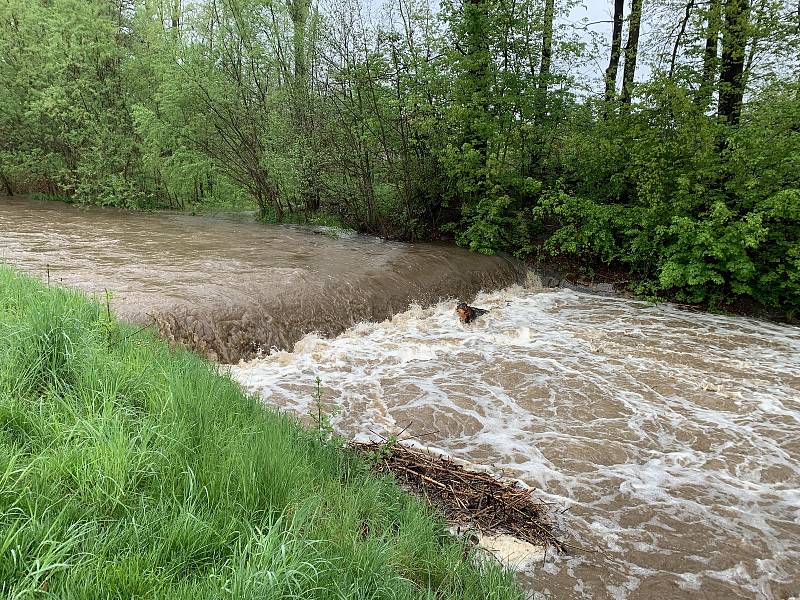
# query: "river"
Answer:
x=670 y=439
x=229 y=287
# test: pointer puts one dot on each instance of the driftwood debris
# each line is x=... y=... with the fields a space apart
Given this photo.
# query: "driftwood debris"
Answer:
x=472 y=498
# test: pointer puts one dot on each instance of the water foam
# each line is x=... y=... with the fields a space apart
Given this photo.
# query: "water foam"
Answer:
x=672 y=437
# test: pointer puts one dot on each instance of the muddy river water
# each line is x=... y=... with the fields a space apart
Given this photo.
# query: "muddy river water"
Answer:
x=670 y=439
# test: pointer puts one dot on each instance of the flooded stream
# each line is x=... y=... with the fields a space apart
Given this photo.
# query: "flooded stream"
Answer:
x=229 y=287
x=671 y=439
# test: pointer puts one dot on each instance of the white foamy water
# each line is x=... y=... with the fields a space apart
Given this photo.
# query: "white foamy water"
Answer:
x=672 y=437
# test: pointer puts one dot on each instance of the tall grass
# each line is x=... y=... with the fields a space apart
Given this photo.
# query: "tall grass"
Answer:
x=128 y=469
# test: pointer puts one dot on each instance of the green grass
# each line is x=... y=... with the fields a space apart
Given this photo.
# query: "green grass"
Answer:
x=131 y=470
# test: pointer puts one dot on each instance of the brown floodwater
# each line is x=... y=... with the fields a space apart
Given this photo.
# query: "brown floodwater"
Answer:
x=229 y=287
x=670 y=439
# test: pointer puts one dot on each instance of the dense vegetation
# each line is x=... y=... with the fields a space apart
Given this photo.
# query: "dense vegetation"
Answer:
x=128 y=470
x=474 y=119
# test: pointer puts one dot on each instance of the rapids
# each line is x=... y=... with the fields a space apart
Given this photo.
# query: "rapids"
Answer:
x=228 y=286
x=672 y=438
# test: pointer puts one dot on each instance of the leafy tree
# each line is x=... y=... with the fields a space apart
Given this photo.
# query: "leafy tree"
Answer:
x=462 y=118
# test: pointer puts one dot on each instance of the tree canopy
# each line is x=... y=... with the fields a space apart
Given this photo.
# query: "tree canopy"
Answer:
x=472 y=119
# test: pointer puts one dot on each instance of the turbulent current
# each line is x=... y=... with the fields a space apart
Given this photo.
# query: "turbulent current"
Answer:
x=673 y=439
x=669 y=440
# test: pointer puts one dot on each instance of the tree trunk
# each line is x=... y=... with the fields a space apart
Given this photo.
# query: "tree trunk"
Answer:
x=6 y=184
x=175 y=18
x=265 y=202
x=175 y=15
x=298 y=11
x=547 y=57
x=710 y=60
x=616 y=43
x=734 y=41
x=631 y=50
x=679 y=38
x=476 y=19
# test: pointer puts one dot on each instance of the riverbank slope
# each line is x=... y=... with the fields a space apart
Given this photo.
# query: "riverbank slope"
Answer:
x=131 y=469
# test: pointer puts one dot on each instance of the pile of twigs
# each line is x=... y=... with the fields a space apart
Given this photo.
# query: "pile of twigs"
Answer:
x=474 y=499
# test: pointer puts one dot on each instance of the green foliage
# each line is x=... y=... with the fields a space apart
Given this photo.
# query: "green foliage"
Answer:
x=710 y=256
x=777 y=258
x=323 y=418
x=128 y=469
x=698 y=211
x=434 y=122
x=382 y=451
x=584 y=228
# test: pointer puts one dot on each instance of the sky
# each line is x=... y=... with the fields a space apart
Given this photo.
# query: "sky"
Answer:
x=598 y=15
x=593 y=12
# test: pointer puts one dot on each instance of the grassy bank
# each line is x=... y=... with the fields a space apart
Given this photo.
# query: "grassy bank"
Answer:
x=128 y=469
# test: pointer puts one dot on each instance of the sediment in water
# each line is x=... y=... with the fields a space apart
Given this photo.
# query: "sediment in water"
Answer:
x=261 y=320
x=231 y=289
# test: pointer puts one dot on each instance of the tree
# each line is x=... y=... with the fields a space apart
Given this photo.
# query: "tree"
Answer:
x=476 y=76
x=679 y=38
x=710 y=55
x=631 y=50
x=616 y=44
x=175 y=18
x=734 y=42
x=299 y=12
x=547 y=56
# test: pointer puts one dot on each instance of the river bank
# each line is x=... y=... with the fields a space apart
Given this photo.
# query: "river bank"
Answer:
x=129 y=469
x=609 y=280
